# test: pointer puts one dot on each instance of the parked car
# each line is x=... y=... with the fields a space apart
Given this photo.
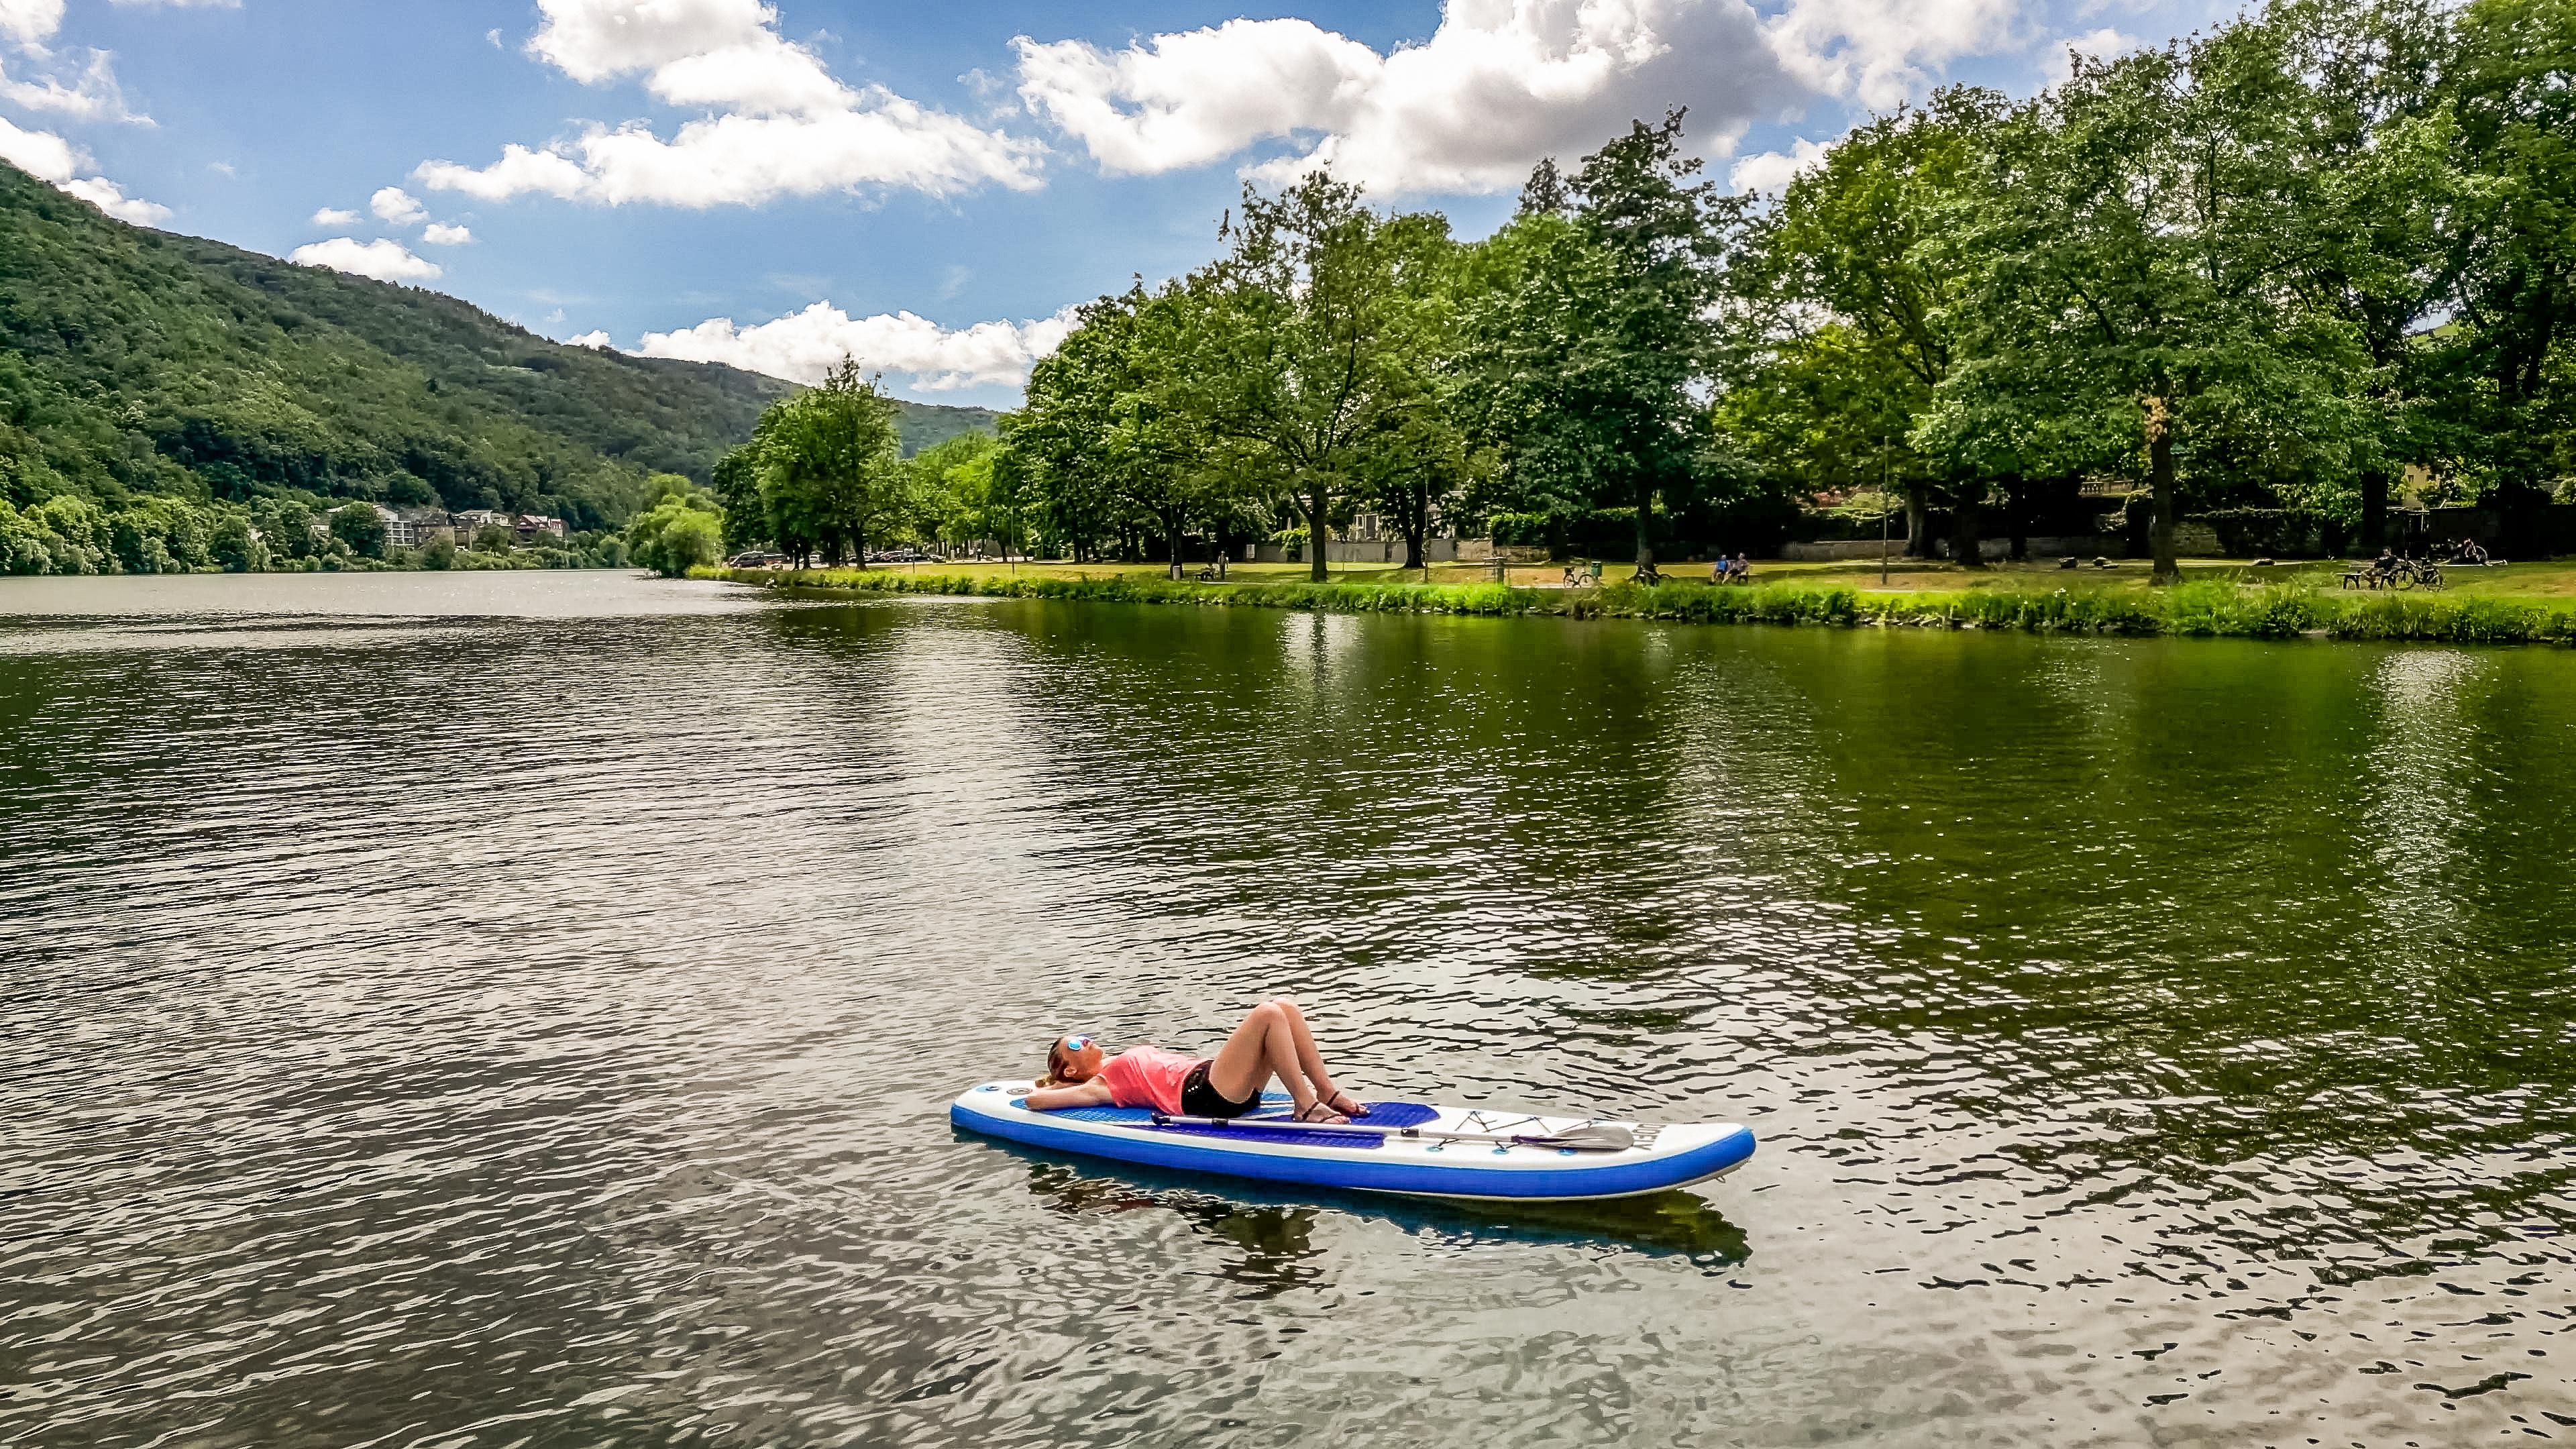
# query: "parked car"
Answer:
x=755 y=559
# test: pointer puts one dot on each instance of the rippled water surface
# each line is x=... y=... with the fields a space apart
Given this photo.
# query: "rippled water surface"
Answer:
x=513 y=1009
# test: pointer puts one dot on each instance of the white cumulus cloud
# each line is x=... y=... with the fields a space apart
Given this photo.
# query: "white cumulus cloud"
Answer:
x=2056 y=59
x=50 y=158
x=386 y=261
x=1884 y=51
x=40 y=154
x=442 y=234
x=1499 y=84
x=782 y=125
x=335 y=216
x=71 y=82
x=1773 y=170
x=397 y=207
x=109 y=197
x=802 y=346
x=87 y=91
x=30 y=22
x=595 y=341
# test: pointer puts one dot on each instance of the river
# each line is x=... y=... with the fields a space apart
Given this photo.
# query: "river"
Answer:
x=519 y=1009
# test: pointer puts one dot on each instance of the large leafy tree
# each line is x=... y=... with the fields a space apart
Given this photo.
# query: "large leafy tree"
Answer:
x=1590 y=347
x=2512 y=89
x=1078 y=431
x=956 y=493
x=829 y=470
x=1849 y=313
x=2132 y=311
x=1310 y=343
x=2363 y=155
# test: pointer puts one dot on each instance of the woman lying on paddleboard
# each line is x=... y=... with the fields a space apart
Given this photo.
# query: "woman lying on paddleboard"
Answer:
x=1272 y=1041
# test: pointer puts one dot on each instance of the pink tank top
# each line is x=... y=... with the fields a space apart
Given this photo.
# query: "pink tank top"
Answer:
x=1147 y=1077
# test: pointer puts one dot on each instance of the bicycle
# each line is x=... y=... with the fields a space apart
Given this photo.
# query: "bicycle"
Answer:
x=2413 y=573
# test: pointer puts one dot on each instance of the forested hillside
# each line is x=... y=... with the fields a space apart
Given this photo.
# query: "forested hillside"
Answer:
x=139 y=362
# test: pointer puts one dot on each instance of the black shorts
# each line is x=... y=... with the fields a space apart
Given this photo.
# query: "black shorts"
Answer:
x=1199 y=1099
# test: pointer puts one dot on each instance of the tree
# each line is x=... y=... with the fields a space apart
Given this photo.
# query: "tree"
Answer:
x=737 y=492
x=953 y=489
x=1165 y=470
x=2367 y=162
x=679 y=534
x=830 y=468
x=1848 y=294
x=2514 y=250
x=1592 y=345
x=235 y=545
x=1519 y=372
x=1056 y=442
x=1305 y=342
x=2131 y=310
x=360 y=527
x=688 y=541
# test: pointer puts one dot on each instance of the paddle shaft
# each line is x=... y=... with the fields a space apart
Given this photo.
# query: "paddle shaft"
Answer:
x=1172 y=1119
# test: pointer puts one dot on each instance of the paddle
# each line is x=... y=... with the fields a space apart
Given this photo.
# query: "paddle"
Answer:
x=1582 y=1137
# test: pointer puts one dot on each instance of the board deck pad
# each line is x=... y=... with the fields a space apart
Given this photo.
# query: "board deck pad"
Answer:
x=1268 y=1147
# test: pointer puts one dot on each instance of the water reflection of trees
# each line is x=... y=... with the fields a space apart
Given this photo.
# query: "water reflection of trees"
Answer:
x=2271 y=923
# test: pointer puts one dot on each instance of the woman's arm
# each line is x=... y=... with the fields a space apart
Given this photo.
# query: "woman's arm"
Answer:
x=1093 y=1093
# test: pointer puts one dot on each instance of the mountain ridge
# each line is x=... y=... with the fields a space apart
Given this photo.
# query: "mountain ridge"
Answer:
x=138 y=361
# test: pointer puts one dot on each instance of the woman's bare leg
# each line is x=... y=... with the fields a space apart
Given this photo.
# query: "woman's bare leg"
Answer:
x=1271 y=1041
x=1310 y=1059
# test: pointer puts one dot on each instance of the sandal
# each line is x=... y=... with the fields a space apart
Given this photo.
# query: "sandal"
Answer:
x=1334 y=1117
x=1355 y=1111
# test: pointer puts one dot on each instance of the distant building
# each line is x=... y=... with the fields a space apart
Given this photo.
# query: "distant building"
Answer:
x=529 y=527
x=423 y=527
x=414 y=527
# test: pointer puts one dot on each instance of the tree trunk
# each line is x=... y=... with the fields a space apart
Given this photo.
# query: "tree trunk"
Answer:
x=1172 y=543
x=1918 y=523
x=1646 y=530
x=1417 y=523
x=2374 y=509
x=1315 y=505
x=2160 y=481
x=1967 y=549
x=2017 y=517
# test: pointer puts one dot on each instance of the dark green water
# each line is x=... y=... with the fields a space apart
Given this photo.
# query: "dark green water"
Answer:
x=499 y=1010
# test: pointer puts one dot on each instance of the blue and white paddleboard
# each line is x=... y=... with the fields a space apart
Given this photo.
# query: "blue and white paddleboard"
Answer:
x=1408 y=1156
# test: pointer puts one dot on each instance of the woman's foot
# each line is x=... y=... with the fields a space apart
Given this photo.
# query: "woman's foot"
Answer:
x=1346 y=1104
x=1321 y=1113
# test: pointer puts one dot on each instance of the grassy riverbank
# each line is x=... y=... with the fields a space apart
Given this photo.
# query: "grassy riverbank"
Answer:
x=2218 y=602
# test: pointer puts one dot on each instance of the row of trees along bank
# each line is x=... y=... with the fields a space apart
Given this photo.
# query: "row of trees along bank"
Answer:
x=2274 y=267
x=278 y=533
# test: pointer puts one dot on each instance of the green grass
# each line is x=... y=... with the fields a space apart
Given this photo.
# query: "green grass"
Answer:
x=2217 y=604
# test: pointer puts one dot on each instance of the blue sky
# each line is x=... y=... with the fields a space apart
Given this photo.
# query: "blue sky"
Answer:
x=772 y=182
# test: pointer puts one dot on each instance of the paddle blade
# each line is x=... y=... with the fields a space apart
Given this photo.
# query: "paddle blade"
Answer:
x=1588 y=1137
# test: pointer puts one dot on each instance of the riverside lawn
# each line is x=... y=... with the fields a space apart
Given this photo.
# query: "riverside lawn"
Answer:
x=2521 y=603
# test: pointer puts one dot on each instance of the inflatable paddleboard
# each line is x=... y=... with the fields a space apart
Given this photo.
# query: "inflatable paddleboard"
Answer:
x=1408 y=1147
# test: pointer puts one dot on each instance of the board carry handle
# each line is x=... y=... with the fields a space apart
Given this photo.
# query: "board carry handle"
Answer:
x=1583 y=1137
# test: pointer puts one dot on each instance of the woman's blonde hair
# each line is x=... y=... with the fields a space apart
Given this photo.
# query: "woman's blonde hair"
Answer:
x=1071 y=1061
